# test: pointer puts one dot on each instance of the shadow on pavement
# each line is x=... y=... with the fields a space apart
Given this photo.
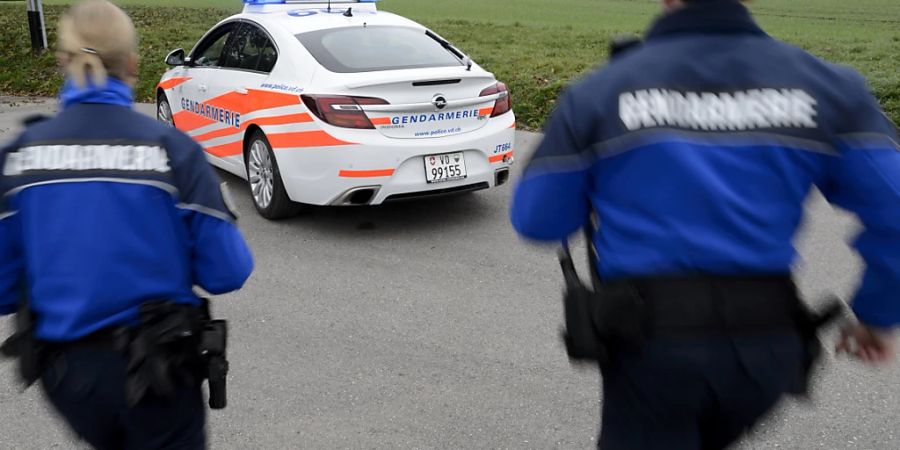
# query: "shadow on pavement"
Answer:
x=407 y=218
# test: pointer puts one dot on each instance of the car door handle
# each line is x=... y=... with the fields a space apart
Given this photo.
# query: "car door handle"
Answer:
x=202 y=88
x=241 y=90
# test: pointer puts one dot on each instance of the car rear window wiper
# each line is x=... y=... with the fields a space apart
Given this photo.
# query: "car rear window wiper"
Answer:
x=447 y=46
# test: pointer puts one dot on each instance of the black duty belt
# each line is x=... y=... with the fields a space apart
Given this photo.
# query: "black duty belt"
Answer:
x=706 y=304
x=112 y=338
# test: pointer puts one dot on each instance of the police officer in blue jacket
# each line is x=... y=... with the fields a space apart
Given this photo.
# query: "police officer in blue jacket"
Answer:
x=103 y=210
x=694 y=153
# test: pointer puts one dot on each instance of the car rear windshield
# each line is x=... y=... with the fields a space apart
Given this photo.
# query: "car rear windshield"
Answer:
x=373 y=48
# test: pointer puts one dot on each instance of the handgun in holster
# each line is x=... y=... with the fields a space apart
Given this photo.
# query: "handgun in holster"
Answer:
x=176 y=344
x=213 y=345
x=581 y=336
x=599 y=320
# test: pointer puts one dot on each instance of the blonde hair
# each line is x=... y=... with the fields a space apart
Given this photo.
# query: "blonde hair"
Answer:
x=98 y=40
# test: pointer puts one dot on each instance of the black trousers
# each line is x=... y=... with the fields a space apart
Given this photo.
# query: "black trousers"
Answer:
x=87 y=387
x=692 y=393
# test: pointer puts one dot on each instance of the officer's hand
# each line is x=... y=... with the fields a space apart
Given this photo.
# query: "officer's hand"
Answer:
x=871 y=345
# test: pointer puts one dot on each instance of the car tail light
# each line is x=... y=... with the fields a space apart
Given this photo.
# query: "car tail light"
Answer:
x=342 y=111
x=504 y=103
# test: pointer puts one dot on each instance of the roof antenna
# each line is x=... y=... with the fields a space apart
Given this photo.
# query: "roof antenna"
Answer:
x=348 y=12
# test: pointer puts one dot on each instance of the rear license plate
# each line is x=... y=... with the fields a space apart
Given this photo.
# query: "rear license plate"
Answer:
x=446 y=167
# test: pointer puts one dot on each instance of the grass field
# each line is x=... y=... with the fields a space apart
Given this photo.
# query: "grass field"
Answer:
x=537 y=46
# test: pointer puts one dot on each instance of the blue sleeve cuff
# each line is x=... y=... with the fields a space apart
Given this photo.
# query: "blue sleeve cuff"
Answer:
x=876 y=311
x=550 y=207
x=877 y=303
x=221 y=261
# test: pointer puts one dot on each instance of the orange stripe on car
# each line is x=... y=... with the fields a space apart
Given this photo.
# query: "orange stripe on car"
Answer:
x=283 y=120
x=500 y=157
x=253 y=100
x=380 y=120
x=486 y=111
x=304 y=139
x=187 y=121
x=172 y=82
x=218 y=133
x=280 y=140
x=366 y=173
x=276 y=120
x=230 y=149
x=513 y=125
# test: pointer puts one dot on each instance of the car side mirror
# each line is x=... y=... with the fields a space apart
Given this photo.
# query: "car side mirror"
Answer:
x=176 y=58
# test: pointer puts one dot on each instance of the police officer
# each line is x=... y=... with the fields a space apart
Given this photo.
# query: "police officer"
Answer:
x=694 y=153
x=104 y=210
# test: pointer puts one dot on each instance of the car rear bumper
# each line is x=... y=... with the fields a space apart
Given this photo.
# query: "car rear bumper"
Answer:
x=373 y=174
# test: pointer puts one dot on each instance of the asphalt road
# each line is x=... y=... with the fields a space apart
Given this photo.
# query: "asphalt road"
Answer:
x=429 y=324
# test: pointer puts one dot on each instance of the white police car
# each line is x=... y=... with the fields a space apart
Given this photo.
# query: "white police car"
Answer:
x=339 y=105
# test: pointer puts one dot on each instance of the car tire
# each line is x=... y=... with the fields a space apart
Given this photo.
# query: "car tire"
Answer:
x=264 y=178
x=164 y=110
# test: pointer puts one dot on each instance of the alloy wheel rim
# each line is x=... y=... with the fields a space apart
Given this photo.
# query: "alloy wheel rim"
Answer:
x=164 y=113
x=261 y=174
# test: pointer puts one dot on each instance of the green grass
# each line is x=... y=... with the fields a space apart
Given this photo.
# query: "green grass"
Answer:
x=536 y=46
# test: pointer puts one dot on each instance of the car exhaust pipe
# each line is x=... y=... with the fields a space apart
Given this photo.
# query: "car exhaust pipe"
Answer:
x=501 y=176
x=357 y=196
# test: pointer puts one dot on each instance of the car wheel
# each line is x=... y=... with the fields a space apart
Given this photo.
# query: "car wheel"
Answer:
x=266 y=189
x=164 y=111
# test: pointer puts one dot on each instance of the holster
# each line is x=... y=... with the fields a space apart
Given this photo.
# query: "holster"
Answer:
x=162 y=351
x=176 y=345
x=213 y=345
x=599 y=319
x=581 y=336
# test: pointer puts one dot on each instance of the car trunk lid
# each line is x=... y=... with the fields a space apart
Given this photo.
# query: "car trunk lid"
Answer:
x=427 y=103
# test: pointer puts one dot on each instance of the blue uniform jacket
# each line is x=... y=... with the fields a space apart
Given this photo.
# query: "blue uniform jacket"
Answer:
x=697 y=150
x=103 y=209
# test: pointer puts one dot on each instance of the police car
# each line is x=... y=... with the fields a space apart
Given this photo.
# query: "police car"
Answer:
x=338 y=104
